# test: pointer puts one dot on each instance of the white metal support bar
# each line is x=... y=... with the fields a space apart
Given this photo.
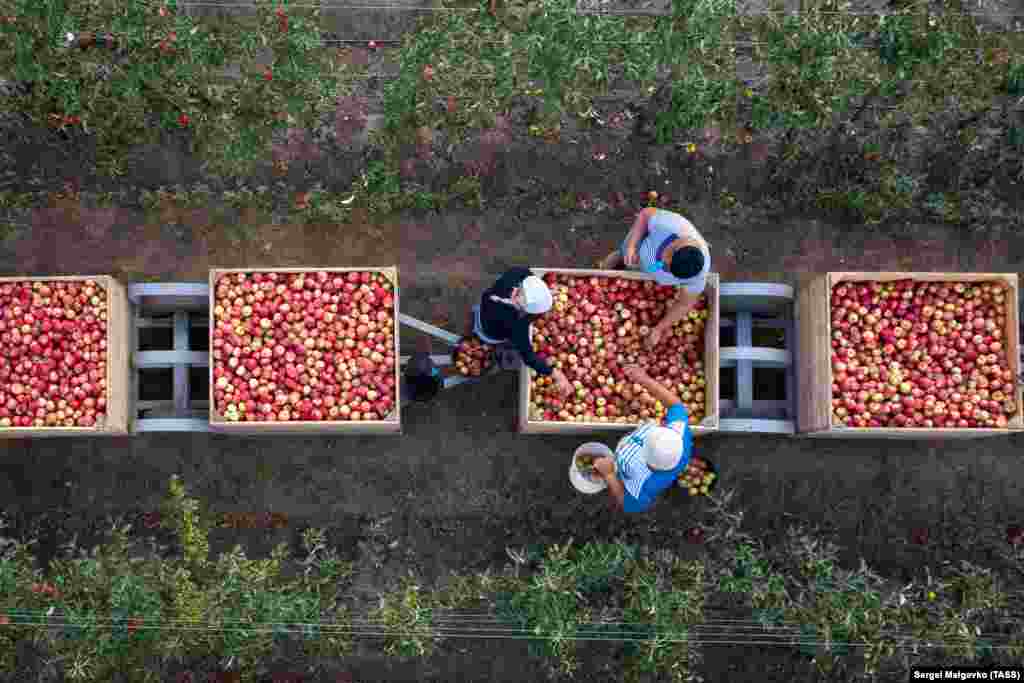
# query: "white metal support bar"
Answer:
x=427 y=328
x=170 y=359
x=744 y=367
x=744 y=300
x=188 y=304
x=438 y=359
x=181 y=369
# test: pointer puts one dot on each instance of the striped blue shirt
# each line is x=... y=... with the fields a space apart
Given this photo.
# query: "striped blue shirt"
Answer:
x=643 y=484
x=662 y=225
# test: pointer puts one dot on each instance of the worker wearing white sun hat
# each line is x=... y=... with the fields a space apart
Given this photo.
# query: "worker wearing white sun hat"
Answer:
x=505 y=313
x=648 y=460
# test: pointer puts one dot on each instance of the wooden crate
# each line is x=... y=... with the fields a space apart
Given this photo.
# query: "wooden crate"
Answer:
x=814 y=352
x=711 y=330
x=118 y=359
x=392 y=425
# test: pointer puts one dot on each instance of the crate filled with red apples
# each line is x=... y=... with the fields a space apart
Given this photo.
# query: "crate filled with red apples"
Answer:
x=600 y=323
x=304 y=350
x=63 y=356
x=909 y=355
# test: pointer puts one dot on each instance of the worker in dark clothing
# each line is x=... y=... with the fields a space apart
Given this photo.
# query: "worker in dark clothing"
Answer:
x=505 y=313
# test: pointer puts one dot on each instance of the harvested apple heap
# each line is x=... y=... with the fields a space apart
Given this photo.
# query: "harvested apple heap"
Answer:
x=697 y=478
x=304 y=347
x=53 y=368
x=599 y=325
x=473 y=357
x=921 y=354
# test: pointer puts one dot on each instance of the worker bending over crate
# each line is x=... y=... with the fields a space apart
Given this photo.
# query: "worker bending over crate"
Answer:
x=667 y=246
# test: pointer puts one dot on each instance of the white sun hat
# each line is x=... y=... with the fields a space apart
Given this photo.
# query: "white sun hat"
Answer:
x=663 y=447
x=582 y=482
x=537 y=295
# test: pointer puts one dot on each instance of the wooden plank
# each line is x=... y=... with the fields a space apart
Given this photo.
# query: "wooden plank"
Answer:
x=821 y=379
x=117 y=390
x=391 y=425
x=119 y=335
x=712 y=331
x=905 y=433
x=711 y=389
x=812 y=374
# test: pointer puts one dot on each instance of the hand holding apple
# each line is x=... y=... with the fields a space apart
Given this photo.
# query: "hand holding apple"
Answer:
x=604 y=467
x=564 y=386
x=654 y=338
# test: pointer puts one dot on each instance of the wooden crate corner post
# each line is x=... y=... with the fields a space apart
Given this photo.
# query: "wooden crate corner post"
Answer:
x=119 y=336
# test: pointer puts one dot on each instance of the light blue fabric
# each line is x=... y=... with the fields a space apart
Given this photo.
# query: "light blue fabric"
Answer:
x=642 y=484
x=660 y=226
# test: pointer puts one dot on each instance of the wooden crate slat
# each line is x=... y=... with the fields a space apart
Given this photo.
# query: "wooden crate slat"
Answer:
x=711 y=389
x=815 y=367
x=812 y=333
x=119 y=321
x=393 y=425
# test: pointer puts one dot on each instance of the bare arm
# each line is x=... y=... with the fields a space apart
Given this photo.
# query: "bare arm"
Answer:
x=617 y=491
x=654 y=387
x=677 y=310
x=639 y=229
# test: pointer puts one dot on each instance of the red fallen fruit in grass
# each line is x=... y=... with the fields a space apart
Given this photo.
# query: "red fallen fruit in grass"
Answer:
x=184 y=120
x=919 y=536
x=1015 y=535
x=695 y=535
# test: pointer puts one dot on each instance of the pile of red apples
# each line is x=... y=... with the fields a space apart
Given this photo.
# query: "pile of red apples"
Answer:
x=921 y=354
x=600 y=325
x=53 y=369
x=304 y=347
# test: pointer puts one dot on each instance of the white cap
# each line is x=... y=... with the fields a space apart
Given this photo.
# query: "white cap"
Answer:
x=663 y=448
x=537 y=295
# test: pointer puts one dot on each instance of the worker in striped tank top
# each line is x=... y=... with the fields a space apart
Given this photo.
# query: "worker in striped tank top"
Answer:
x=649 y=459
x=670 y=248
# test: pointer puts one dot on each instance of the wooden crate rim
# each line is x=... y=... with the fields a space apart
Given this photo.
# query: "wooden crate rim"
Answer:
x=1016 y=423
x=712 y=280
x=391 y=271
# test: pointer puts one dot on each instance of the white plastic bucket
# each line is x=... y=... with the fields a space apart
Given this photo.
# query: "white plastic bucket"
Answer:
x=581 y=482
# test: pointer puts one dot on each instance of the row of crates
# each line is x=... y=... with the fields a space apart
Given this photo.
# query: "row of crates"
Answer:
x=181 y=314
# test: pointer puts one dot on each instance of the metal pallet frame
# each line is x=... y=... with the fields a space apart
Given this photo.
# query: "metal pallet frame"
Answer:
x=188 y=304
x=773 y=304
